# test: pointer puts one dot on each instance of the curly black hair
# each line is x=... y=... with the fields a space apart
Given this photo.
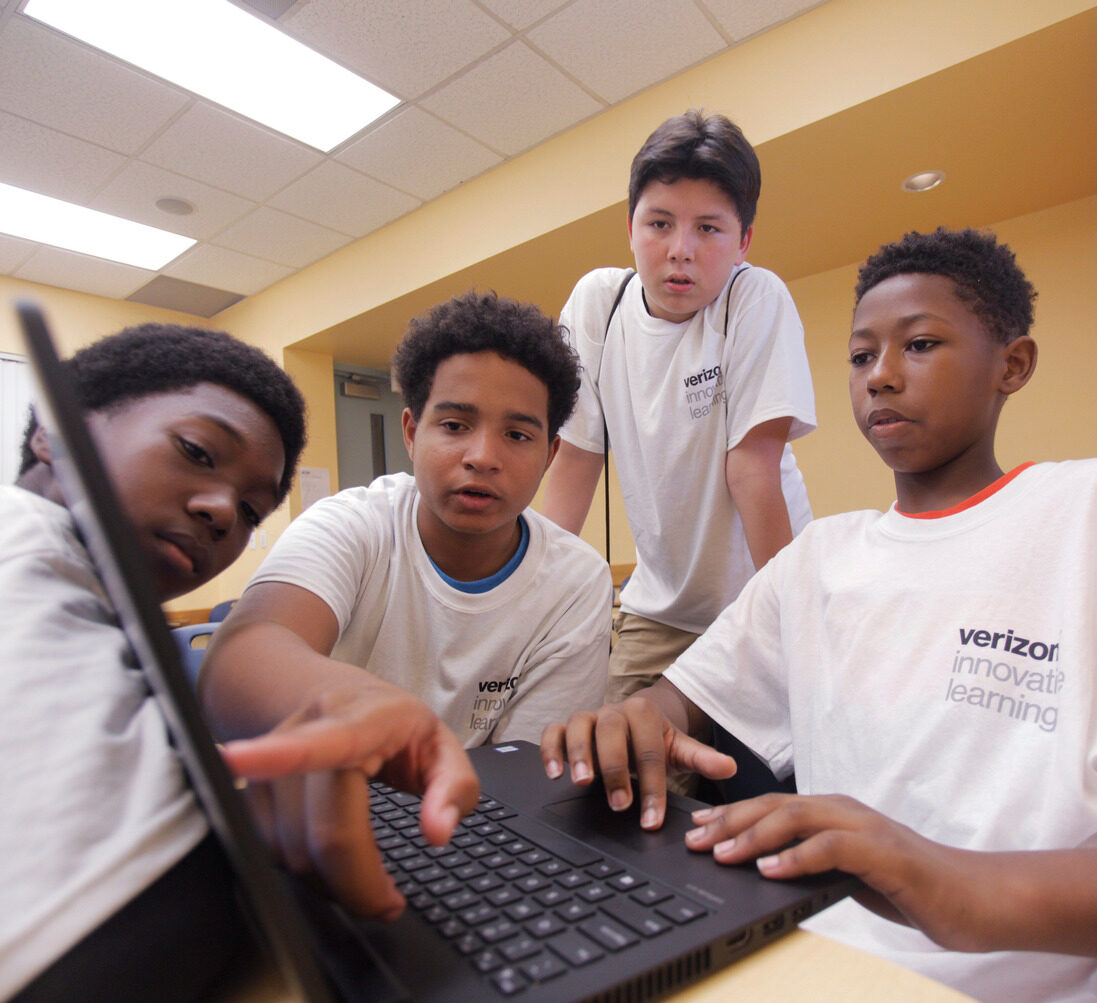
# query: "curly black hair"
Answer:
x=485 y=322
x=159 y=358
x=696 y=146
x=985 y=273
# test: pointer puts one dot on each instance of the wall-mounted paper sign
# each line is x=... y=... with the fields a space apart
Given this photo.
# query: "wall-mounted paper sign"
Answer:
x=315 y=484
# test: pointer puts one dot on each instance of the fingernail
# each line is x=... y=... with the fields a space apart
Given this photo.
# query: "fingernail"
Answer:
x=649 y=819
x=702 y=814
x=554 y=769
x=580 y=771
x=694 y=835
x=619 y=800
x=725 y=847
x=767 y=864
x=449 y=816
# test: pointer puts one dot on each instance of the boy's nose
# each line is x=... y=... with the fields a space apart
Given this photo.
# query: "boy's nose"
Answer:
x=482 y=452
x=884 y=374
x=682 y=246
x=217 y=508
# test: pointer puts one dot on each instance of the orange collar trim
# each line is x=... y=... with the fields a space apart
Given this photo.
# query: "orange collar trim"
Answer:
x=973 y=500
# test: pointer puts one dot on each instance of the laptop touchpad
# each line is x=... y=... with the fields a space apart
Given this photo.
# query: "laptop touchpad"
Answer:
x=587 y=815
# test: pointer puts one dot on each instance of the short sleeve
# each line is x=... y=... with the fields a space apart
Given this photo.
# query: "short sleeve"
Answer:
x=735 y=673
x=584 y=318
x=766 y=364
x=330 y=550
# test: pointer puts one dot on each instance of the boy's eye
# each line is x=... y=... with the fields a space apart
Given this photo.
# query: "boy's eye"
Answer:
x=660 y=224
x=520 y=436
x=921 y=345
x=709 y=228
x=859 y=358
x=450 y=425
x=251 y=517
x=195 y=452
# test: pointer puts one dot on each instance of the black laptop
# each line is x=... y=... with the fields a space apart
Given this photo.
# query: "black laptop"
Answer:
x=542 y=894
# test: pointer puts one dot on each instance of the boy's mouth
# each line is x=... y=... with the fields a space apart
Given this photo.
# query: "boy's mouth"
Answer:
x=881 y=420
x=179 y=552
x=476 y=495
x=679 y=283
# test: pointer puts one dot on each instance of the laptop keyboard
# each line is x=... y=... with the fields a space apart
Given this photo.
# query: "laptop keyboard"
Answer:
x=522 y=902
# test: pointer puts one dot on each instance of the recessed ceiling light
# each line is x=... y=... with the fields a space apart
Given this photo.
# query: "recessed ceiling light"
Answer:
x=87 y=231
x=923 y=181
x=223 y=53
x=175 y=206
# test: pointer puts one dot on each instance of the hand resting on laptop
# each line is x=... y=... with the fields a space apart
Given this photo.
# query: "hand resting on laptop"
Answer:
x=952 y=895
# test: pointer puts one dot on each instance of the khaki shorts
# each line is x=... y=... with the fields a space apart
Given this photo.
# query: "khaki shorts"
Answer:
x=641 y=651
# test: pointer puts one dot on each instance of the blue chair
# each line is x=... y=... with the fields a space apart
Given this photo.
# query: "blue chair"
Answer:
x=221 y=610
x=192 y=640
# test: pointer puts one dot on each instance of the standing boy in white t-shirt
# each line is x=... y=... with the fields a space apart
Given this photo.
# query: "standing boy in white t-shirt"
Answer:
x=928 y=671
x=445 y=584
x=695 y=373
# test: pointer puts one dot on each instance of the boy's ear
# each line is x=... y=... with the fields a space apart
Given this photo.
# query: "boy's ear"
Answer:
x=744 y=244
x=40 y=446
x=408 y=424
x=1020 y=363
x=554 y=448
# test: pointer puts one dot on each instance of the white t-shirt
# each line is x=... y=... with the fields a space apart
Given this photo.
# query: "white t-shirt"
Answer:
x=95 y=805
x=494 y=666
x=942 y=671
x=676 y=398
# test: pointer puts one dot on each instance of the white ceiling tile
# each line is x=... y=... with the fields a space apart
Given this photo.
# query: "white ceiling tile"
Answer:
x=54 y=267
x=61 y=83
x=46 y=161
x=520 y=14
x=277 y=236
x=419 y=154
x=222 y=150
x=224 y=269
x=743 y=18
x=539 y=100
x=133 y=194
x=405 y=46
x=344 y=200
x=619 y=47
x=13 y=253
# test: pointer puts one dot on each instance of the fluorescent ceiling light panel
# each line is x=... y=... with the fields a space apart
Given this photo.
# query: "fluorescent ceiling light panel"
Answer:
x=222 y=53
x=62 y=224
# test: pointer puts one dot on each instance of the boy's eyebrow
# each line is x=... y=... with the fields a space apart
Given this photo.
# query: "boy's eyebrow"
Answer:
x=905 y=321
x=718 y=215
x=464 y=408
x=231 y=430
